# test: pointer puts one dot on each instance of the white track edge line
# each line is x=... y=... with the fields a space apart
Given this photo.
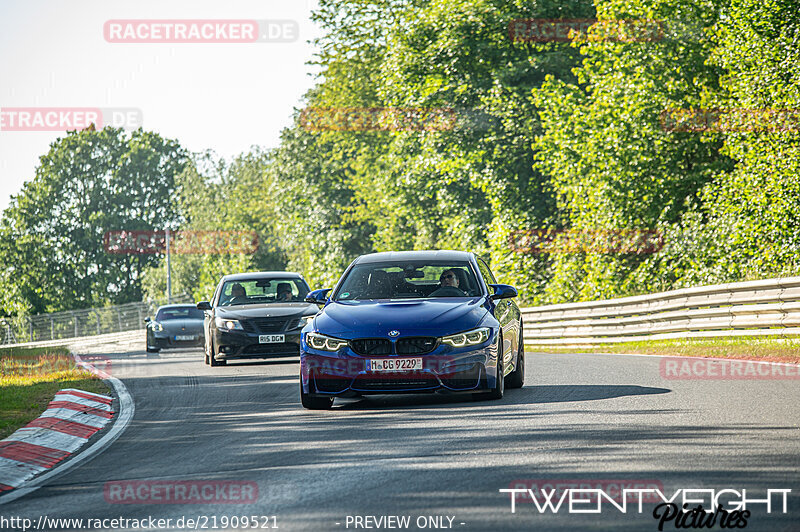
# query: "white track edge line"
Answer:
x=126 y=411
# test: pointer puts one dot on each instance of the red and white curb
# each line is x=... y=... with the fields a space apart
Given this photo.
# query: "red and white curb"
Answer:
x=71 y=418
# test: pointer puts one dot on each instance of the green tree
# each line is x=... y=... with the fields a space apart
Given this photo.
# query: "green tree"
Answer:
x=613 y=166
x=52 y=233
x=224 y=198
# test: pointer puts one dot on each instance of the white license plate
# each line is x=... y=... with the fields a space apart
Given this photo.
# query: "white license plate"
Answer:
x=185 y=338
x=395 y=364
x=270 y=339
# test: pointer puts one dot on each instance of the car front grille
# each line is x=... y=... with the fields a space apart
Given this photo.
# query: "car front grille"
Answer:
x=263 y=325
x=371 y=346
x=416 y=346
x=395 y=383
x=288 y=349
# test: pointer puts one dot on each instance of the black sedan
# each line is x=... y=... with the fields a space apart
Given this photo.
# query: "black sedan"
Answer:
x=175 y=326
x=255 y=315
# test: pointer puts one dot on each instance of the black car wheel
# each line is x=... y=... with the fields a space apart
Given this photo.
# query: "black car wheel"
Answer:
x=214 y=362
x=516 y=378
x=499 y=386
x=148 y=347
x=314 y=403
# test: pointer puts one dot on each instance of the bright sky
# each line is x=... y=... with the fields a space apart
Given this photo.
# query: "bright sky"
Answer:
x=221 y=96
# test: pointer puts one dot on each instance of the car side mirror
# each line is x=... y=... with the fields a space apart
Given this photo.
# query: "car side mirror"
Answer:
x=204 y=305
x=147 y=319
x=318 y=297
x=503 y=291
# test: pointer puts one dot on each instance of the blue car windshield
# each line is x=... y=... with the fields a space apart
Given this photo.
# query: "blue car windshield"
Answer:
x=408 y=280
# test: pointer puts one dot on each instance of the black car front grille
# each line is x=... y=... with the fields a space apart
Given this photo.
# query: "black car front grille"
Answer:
x=288 y=349
x=371 y=346
x=395 y=383
x=416 y=345
x=263 y=325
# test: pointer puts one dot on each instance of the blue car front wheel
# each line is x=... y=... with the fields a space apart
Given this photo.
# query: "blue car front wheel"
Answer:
x=499 y=381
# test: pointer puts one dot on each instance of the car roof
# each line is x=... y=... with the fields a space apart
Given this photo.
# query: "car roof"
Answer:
x=248 y=276
x=443 y=255
x=177 y=305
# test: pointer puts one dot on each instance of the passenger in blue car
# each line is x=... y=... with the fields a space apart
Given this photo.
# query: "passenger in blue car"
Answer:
x=449 y=282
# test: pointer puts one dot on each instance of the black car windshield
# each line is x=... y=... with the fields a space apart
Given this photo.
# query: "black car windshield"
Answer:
x=264 y=290
x=408 y=280
x=179 y=313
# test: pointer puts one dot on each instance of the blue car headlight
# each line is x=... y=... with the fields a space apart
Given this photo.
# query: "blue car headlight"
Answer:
x=469 y=338
x=228 y=325
x=324 y=343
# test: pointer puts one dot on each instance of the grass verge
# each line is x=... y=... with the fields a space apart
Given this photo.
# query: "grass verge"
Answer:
x=30 y=377
x=738 y=347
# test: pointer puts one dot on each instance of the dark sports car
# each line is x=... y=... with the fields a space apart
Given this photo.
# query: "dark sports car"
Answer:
x=174 y=326
x=412 y=322
x=255 y=315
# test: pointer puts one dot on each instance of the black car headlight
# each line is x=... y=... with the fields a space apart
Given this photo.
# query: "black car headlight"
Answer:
x=324 y=343
x=469 y=338
x=157 y=327
x=228 y=325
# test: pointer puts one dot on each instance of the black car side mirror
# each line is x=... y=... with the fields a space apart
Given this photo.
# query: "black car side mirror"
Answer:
x=147 y=319
x=318 y=297
x=503 y=291
x=204 y=305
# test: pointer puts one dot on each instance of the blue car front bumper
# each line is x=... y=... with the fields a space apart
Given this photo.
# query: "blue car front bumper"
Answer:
x=445 y=369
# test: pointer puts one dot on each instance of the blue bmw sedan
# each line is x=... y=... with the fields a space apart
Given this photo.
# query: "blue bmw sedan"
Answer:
x=412 y=322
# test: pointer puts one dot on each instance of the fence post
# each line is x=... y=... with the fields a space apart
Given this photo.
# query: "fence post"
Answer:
x=30 y=328
x=52 y=329
x=75 y=317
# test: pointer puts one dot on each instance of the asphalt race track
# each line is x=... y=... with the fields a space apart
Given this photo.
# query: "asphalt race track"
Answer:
x=595 y=417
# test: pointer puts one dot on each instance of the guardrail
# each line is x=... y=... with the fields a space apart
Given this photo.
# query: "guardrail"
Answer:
x=770 y=307
x=80 y=323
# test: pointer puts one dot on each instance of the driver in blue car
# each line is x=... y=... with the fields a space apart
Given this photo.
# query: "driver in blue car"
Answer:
x=448 y=285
